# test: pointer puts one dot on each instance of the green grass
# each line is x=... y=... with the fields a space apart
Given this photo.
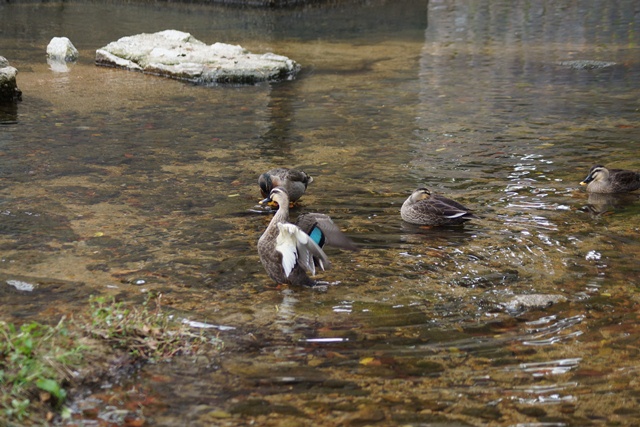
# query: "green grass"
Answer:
x=38 y=362
x=145 y=333
x=35 y=363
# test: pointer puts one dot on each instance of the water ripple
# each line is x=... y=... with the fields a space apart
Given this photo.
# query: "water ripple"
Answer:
x=539 y=425
x=554 y=332
x=552 y=367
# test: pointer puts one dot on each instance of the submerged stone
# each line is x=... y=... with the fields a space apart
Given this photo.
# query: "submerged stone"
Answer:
x=255 y=407
x=179 y=55
x=586 y=64
x=488 y=280
x=485 y=412
x=523 y=302
x=215 y=415
x=365 y=416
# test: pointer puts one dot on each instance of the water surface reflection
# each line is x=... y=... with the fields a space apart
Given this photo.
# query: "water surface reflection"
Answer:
x=122 y=183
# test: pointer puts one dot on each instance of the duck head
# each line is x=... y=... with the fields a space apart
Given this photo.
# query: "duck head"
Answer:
x=278 y=195
x=597 y=173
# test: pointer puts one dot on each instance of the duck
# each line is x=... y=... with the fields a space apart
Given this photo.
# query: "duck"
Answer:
x=607 y=181
x=293 y=180
x=423 y=207
x=288 y=251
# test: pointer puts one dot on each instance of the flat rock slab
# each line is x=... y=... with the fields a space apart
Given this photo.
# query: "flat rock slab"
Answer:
x=586 y=64
x=179 y=55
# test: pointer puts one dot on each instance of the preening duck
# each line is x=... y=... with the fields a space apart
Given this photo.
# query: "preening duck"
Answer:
x=425 y=208
x=293 y=180
x=288 y=251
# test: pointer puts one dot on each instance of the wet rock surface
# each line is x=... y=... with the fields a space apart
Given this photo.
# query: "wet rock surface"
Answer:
x=533 y=301
x=61 y=49
x=9 y=91
x=181 y=56
x=587 y=64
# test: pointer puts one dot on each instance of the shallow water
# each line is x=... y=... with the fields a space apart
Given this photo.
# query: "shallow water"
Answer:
x=121 y=183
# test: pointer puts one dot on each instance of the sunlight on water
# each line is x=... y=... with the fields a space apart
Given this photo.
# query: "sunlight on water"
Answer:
x=553 y=367
x=121 y=183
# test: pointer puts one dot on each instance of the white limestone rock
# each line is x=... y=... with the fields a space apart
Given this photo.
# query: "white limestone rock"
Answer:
x=61 y=49
x=179 y=55
x=9 y=91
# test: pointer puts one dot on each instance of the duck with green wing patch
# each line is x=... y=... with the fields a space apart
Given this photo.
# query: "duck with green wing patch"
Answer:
x=288 y=251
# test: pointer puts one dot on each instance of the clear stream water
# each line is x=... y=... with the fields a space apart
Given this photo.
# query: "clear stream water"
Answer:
x=114 y=182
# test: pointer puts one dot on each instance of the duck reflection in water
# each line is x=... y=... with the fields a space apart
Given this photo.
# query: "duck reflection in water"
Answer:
x=286 y=320
x=606 y=204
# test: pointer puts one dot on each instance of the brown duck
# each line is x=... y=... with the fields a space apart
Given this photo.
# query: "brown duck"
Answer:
x=603 y=180
x=288 y=251
x=293 y=180
x=425 y=208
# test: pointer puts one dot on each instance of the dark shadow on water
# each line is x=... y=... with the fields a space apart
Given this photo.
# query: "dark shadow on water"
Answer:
x=437 y=237
x=29 y=295
x=8 y=113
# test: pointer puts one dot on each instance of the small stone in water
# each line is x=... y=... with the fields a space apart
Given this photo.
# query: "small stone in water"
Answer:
x=139 y=282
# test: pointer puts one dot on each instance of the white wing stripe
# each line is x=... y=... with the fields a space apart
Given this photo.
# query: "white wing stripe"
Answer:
x=456 y=215
x=286 y=245
x=296 y=247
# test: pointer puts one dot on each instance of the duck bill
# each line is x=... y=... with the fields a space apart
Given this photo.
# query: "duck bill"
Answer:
x=587 y=180
x=268 y=202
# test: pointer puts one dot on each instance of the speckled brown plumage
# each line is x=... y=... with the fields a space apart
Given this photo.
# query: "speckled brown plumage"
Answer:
x=425 y=208
x=301 y=244
x=603 y=180
x=293 y=180
x=272 y=259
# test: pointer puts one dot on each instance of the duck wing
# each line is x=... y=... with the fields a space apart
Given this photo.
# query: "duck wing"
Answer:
x=296 y=175
x=297 y=248
x=323 y=230
x=450 y=208
x=624 y=180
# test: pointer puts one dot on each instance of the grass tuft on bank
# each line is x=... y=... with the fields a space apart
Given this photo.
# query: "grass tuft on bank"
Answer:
x=40 y=363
